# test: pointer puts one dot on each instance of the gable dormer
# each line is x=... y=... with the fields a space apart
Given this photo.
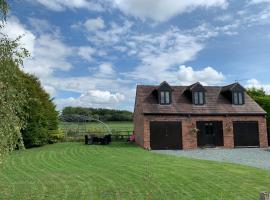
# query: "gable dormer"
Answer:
x=198 y=93
x=235 y=93
x=164 y=93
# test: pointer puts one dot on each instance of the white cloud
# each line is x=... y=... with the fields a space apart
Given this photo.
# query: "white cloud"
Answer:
x=93 y=98
x=208 y=76
x=106 y=69
x=257 y=84
x=48 y=52
x=50 y=55
x=86 y=52
x=114 y=33
x=161 y=53
x=60 y=5
x=259 y=1
x=15 y=29
x=94 y=24
x=162 y=10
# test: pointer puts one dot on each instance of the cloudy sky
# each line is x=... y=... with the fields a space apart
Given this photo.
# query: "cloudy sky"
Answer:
x=94 y=52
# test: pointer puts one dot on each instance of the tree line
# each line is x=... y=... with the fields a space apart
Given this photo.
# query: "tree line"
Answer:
x=28 y=115
x=71 y=114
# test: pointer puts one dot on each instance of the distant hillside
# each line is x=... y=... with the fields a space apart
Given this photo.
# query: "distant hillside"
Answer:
x=97 y=113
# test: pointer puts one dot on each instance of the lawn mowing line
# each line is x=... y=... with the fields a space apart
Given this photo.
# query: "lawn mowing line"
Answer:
x=215 y=186
x=209 y=173
x=18 y=168
x=73 y=153
x=188 y=181
x=11 y=185
x=164 y=166
x=45 y=163
x=32 y=166
x=114 y=172
x=80 y=169
x=127 y=171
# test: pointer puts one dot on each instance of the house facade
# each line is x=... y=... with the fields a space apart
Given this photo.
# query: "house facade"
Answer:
x=187 y=117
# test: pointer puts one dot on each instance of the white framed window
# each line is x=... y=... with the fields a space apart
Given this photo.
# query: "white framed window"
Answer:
x=165 y=97
x=198 y=98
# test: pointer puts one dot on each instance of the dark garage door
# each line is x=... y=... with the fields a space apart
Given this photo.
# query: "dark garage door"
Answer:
x=210 y=133
x=246 y=133
x=166 y=135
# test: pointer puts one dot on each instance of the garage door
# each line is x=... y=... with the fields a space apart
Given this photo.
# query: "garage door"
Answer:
x=246 y=133
x=165 y=135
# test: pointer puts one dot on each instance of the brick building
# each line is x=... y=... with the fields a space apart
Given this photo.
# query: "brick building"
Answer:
x=187 y=117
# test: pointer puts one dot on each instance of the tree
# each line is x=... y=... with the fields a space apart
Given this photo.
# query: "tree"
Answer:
x=26 y=109
x=42 y=118
x=263 y=99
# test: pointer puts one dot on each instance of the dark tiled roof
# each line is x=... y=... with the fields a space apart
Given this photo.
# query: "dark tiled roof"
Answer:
x=216 y=103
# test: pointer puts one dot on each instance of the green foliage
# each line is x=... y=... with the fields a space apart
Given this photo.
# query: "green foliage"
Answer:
x=97 y=113
x=3 y=10
x=263 y=99
x=25 y=106
x=42 y=117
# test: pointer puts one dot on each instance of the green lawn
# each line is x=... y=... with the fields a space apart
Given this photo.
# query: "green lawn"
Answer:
x=116 y=127
x=123 y=171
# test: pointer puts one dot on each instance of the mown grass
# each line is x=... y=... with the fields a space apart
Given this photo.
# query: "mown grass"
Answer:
x=123 y=171
x=116 y=127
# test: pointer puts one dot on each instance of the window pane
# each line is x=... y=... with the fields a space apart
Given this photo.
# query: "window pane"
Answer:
x=162 y=97
x=200 y=97
x=240 y=98
x=235 y=98
x=167 y=95
x=196 y=98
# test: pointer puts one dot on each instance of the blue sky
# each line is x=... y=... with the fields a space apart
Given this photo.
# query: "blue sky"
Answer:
x=93 y=53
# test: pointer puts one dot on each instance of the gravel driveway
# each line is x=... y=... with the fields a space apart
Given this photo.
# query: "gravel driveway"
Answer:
x=254 y=157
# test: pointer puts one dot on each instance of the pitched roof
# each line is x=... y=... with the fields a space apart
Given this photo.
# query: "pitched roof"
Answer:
x=215 y=104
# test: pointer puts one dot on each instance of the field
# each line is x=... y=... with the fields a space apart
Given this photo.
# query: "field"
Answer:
x=95 y=127
x=123 y=171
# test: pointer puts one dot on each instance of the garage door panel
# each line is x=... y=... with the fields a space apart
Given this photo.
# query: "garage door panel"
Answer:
x=165 y=135
x=246 y=133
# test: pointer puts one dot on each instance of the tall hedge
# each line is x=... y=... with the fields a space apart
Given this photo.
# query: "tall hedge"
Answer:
x=42 y=117
x=263 y=99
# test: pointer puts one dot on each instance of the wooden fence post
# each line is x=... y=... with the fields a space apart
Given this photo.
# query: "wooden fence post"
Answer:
x=264 y=196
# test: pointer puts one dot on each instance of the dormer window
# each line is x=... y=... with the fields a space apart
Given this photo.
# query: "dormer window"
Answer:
x=238 y=98
x=164 y=97
x=164 y=93
x=198 y=93
x=235 y=93
x=198 y=98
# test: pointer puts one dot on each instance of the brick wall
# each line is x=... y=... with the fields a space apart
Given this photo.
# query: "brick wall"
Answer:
x=190 y=140
x=138 y=122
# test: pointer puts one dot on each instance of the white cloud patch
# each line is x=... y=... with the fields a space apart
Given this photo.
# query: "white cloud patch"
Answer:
x=93 y=98
x=208 y=76
x=50 y=55
x=86 y=53
x=61 y=5
x=48 y=52
x=106 y=69
x=257 y=84
x=162 y=10
x=15 y=29
x=259 y=1
x=94 y=24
